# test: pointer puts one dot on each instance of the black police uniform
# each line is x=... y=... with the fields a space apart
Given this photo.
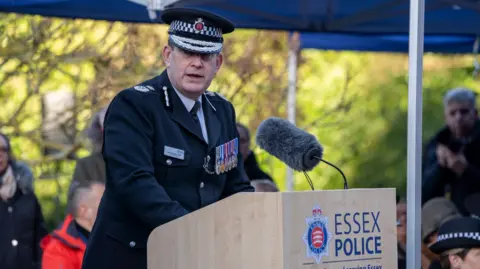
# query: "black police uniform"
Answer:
x=159 y=168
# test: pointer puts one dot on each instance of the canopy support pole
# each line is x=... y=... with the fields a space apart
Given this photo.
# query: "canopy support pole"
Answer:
x=414 y=139
x=291 y=95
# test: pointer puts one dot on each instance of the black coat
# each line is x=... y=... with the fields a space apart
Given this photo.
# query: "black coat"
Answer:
x=436 y=178
x=145 y=187
x=253 y=170
x=21 y=225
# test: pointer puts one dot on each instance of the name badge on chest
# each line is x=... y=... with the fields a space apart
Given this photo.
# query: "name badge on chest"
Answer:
x=174 y=153
x=226 y=156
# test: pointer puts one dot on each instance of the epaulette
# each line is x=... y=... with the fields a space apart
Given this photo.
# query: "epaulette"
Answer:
x=142 y=88
x=213 y=94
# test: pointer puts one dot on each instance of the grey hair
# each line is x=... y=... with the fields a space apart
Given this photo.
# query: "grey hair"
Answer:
x=79 y=193
x=460 y=95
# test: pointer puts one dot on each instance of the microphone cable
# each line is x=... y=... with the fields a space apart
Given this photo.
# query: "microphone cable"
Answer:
x=310 y=182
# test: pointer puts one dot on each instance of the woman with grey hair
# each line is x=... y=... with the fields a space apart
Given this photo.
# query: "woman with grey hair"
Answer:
x=21 y=219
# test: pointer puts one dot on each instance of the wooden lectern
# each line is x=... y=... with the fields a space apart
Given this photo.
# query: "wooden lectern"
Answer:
x=339 y=229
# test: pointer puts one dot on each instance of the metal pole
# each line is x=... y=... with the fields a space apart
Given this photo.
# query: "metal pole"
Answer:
x=414 y=140
x=291 y=95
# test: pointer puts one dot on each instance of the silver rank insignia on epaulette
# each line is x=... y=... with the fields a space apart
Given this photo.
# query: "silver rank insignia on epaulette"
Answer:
x=216 y=94
x=210 y=94
x=144 y=88
x=167 y=101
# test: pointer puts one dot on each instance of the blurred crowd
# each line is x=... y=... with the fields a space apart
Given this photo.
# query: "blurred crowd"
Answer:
x=24 y=240
x=450 y=192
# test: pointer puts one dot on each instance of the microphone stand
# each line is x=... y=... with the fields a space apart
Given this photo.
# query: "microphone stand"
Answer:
x=345 y=183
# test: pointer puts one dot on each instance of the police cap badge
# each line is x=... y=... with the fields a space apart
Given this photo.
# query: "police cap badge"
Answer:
x=195 y=30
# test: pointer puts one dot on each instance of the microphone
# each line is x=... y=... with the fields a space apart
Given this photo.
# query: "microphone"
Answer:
x=296 y=148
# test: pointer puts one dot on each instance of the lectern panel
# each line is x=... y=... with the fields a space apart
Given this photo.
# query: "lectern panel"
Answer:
x=242 y=231
x=338 y=229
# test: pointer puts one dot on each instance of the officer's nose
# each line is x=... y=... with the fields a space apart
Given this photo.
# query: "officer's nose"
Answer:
x=197 y=61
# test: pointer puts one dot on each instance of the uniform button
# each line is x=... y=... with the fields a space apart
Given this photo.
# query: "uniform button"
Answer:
x=202 y=184
x=132 y=244
x=14 y=242
x=169 y=162
x=10 y=209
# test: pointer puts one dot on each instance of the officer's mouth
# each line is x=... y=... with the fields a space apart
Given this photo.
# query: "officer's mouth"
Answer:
x=194 y=76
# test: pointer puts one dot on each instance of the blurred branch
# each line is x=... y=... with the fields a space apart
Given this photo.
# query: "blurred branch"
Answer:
x=343 y=104
x=64 y=154
x=30 y=93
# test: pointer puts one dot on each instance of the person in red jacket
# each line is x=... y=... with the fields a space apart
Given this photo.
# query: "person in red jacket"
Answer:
x=65 y=247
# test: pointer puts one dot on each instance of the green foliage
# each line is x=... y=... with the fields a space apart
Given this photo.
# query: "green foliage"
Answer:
x=355 y=103
x=384 y=164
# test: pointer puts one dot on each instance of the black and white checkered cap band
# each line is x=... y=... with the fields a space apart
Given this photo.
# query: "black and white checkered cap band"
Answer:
x=474 y=236
x=190 y=28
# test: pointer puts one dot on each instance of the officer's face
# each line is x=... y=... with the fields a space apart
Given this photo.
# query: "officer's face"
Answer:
x=470 y=261
x=191 y=73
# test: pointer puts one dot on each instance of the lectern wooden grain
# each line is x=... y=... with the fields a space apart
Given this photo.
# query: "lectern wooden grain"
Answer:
x=336 y=229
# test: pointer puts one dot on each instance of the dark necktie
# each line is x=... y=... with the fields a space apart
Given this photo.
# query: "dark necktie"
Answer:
x=193 y=112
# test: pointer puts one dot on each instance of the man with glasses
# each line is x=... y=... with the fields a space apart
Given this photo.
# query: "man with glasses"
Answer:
x=451 y=165
x=170 y=146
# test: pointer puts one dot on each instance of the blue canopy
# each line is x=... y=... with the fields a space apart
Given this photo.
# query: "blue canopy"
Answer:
x=452 y=17
x=385 y=43
x=109 y=10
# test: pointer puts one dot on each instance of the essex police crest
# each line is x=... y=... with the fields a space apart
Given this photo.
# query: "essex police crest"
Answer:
x=317 y=236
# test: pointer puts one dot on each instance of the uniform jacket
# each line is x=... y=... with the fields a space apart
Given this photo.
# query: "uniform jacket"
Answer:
x=21 y=224
x=64 y=248
x=436 y=178
x=145 y=187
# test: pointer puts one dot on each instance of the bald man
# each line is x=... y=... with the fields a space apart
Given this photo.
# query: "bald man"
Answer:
x=65 y=247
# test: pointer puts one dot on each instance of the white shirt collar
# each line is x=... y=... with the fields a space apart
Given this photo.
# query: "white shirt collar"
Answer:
x=189 y=103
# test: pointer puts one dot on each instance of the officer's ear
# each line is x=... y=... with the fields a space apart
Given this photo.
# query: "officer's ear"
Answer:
x=167 y=53
x=218 y=62
x=455 y=261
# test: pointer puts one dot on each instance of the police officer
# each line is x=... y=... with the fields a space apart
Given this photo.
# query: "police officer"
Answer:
x=170 y=146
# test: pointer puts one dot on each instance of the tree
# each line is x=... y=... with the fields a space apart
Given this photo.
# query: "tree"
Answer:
x=355 y=103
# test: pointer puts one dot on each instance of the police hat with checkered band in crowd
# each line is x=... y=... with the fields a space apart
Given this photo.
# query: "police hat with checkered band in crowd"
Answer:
x=461 y=232
x=195 y=30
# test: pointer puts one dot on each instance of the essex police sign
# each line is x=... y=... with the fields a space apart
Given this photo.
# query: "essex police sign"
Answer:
x=344 y=232
x=364 y=224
